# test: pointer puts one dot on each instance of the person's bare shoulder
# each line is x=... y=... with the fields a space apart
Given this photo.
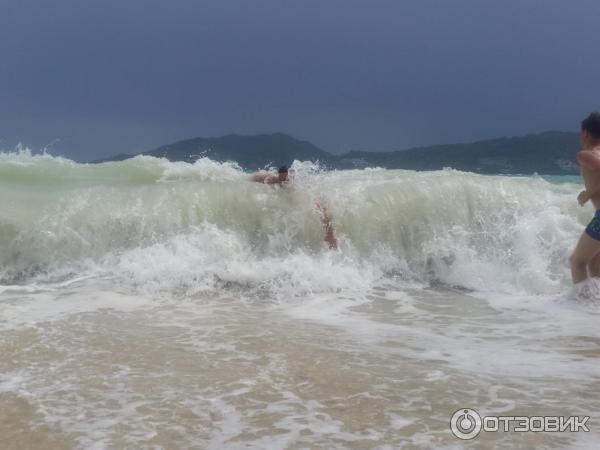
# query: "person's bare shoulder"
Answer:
x=265 y=177
x=259 y=177
x=590 y=158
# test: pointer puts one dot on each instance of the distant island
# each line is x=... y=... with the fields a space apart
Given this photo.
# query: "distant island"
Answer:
x=549 y=153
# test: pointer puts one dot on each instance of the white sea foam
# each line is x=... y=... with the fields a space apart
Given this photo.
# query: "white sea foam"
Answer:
x=203 y=222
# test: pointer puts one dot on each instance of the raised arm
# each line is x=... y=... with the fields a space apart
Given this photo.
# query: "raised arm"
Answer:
x=327 y=226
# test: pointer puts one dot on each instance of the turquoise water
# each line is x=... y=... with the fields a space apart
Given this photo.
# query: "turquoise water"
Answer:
x=576 y=179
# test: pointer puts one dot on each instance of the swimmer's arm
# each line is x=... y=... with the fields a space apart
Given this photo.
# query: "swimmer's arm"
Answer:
x=259 y=177
x=327 y=226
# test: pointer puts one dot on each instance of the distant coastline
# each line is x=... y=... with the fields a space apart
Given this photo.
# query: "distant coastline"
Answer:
x=548 y=153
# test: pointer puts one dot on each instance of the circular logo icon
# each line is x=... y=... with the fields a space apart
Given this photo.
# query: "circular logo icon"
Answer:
x=465 y=423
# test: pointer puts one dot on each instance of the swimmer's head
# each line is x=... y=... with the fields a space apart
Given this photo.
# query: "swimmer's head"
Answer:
x=283 y=173
x=590 y=129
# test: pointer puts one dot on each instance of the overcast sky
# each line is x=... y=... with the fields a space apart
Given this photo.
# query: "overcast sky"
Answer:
x=92 y=78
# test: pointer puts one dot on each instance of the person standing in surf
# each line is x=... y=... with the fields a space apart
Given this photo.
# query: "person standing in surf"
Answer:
x=585 y=260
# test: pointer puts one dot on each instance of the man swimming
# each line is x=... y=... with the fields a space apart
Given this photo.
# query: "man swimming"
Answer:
x=585 y=260
x=282 y=179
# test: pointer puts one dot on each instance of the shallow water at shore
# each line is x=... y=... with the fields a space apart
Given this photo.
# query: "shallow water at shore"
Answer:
x=85 y=367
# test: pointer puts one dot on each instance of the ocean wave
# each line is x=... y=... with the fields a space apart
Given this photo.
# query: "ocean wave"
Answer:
x=204 y=226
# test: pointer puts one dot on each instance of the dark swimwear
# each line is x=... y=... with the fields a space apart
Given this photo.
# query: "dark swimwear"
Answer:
x=593 y=229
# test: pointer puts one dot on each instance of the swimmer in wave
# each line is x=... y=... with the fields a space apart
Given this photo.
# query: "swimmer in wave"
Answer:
x=281 y=178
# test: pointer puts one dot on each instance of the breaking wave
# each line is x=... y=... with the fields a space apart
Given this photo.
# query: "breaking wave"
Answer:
x=197 y=227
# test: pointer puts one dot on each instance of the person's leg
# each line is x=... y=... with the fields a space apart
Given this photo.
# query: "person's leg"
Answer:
x=585 y=250
x=594 y=266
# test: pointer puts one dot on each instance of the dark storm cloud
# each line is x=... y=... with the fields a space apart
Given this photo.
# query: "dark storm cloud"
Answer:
x=112 y=76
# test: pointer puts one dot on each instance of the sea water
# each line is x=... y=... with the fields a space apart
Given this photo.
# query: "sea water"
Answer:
x=155 y=304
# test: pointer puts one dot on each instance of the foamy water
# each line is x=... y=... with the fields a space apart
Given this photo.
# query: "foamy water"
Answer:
x=149 y=304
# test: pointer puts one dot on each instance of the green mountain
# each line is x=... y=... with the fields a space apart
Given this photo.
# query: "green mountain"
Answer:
x=250 y=152
x=552 y=153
